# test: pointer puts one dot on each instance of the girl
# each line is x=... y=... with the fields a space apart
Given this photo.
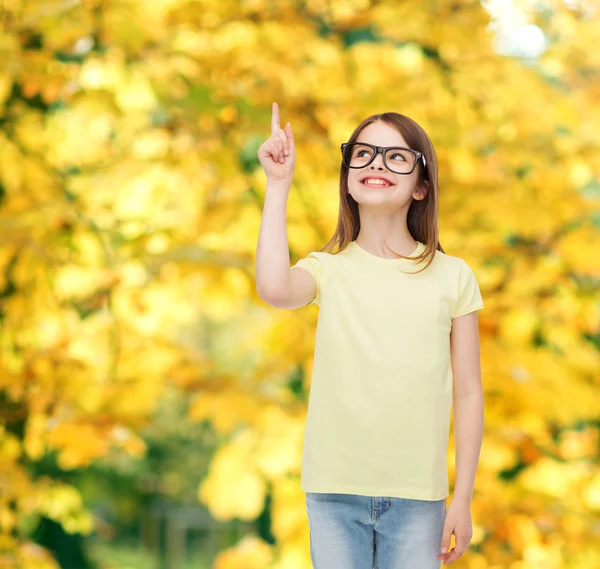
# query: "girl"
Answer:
x=396 y=344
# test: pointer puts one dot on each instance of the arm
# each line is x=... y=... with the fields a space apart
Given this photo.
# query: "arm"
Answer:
x=467 y=401
x=276 y=283
x=467 y=395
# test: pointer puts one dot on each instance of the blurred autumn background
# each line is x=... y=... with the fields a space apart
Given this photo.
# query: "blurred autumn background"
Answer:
x=152 y=406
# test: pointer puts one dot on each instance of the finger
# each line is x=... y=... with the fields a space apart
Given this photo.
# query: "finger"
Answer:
x=284 y=139
x=274 y=151
x=452 y=556
x=445 y=545
x=290 y=136
x=280 y=148
x=264 y=149
x=277 y=145
x=275 y=118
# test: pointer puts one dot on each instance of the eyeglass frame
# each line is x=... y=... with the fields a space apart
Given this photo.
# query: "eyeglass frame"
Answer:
x=380 y=150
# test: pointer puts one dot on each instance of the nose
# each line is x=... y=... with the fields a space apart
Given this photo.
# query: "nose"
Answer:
x=378 y=161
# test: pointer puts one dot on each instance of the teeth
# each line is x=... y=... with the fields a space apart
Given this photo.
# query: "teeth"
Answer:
x=380 y=182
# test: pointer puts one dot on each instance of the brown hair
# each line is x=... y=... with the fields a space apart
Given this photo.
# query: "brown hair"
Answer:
x=422 y=217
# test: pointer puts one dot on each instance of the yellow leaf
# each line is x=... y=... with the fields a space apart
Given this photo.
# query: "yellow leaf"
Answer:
x=249 y=553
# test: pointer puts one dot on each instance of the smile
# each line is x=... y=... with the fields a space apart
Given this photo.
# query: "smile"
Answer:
x=375 y=182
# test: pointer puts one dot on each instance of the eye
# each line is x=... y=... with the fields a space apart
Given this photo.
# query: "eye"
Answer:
x=361 y=151
x=398 y=154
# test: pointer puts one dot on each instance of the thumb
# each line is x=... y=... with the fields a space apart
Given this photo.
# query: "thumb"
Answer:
x=290 y=135
x=445 y=545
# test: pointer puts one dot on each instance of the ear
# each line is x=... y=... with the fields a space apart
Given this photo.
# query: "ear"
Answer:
x=421 y=190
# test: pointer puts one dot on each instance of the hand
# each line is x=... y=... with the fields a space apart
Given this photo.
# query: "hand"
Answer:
x=458 y=522
x=278 y=153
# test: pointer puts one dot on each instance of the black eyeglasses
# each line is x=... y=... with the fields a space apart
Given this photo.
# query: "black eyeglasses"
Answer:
x=398 y=159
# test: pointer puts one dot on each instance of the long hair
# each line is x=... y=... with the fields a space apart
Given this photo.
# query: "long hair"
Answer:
x=422 y=217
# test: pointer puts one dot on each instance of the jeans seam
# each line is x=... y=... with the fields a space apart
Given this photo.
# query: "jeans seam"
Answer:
x=374 y=547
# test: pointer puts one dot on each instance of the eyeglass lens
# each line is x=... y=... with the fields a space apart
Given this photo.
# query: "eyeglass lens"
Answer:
x=398 y=160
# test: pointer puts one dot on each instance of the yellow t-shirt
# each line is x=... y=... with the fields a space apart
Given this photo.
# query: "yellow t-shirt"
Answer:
x=378 y=416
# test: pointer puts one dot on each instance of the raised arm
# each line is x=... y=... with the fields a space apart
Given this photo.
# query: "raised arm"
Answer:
x=276 y=283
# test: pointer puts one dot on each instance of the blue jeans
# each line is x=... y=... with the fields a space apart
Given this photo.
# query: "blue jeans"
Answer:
x=349 y=531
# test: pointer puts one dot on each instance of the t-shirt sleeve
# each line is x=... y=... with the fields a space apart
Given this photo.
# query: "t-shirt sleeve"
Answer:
x=469 y=295
x=314 y=265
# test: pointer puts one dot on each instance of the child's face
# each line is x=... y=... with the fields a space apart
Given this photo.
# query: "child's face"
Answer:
x=402 y=186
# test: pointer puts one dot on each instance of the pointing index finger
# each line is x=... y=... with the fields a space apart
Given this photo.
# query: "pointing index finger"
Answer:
x=275 y=119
